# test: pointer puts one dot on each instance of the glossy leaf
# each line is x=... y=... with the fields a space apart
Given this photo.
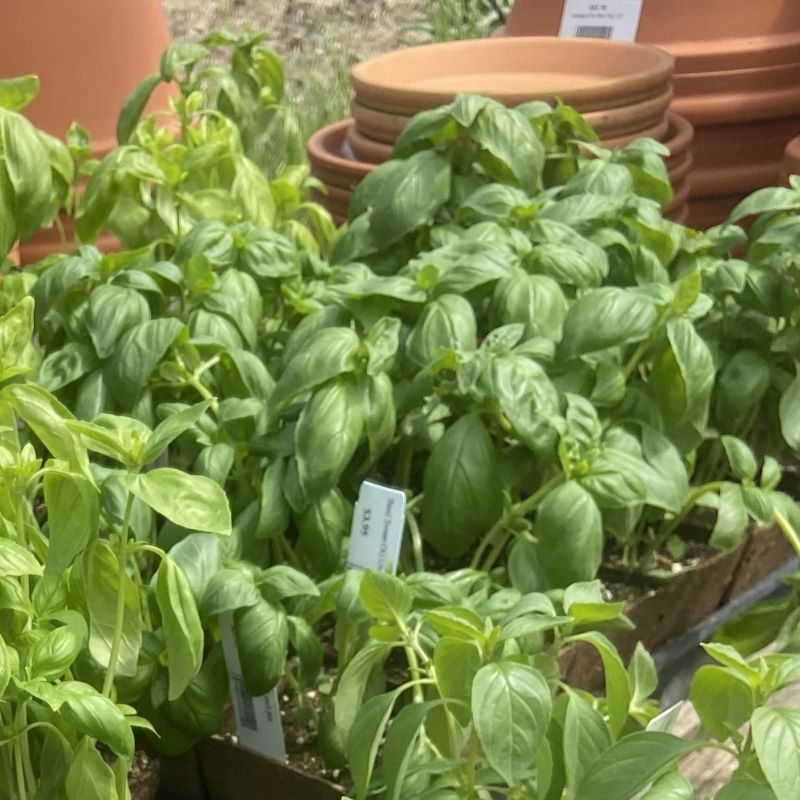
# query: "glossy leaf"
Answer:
x=776 y=734
x=511 y=708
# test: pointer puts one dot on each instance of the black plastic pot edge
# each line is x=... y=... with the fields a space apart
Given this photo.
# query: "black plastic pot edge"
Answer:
x=677 y=661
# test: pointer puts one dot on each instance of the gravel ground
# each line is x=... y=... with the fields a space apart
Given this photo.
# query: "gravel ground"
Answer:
x=318 y=39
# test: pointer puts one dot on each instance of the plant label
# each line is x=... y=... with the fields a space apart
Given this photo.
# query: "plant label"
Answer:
x=258 y=719
x=665 y=721
x=601 y=19
x=377 y=530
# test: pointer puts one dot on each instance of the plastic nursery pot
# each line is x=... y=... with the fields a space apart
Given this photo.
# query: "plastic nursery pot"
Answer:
x=589 y=74
x=330 y=162
x=219 y=770
x=367 y=149
x=660 y=615
x=733 y=34
x=791 y=160
x=89 y=55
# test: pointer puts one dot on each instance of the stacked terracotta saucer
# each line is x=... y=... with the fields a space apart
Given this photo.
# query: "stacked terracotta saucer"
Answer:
x=624 y=91
x=737 y=80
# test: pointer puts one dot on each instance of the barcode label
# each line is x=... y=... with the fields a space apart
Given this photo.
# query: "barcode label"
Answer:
x=601 y=19
x=245 y=707
x=258 y=719
x=594 y=32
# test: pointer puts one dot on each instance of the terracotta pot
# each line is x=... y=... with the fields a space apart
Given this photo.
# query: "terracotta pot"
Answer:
x=680 y=137
x=379 y=125
x=334 y=204
x=664 y=21
x=678 y=205
x=791 y=160
x=740 y=158
x=586 y=73
x=385 y=127
x=89 y=55
x=330 y=162
x=47 y=241
x=679 y=170
x=707 y=212
x=366 y=149
x=658 y=131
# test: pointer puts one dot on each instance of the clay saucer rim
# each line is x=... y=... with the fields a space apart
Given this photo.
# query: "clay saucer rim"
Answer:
x=395 y=93
x=325 y=150
x=367 y=149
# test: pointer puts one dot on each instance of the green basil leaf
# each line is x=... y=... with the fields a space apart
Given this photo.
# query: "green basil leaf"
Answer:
x=273 y=516
x=16 y=93
x=410 y=197
x=191 y=501
x=511 y=707
x=380 y=417
x=133 y=107
x=741 y=385
x=199 y=557
x=618 y=691
x=384 y=597
x=113 y=311
x=631 y=764
x=183 y=633
x=535 y=301
x=585 y=739
x=789 y=410
x=89 y=777
x=229 y=589
x=745 y=790
x=740 y=458
x=73 y=517
x=322 y=528
x=98 y=717
x=136 y=356
x=330 y=353
x=447 y=323
x=65 y=366
x=309 y=650
x=16 y=560
x=262 y=638
x=731 y=522
x=569 y=530
x=399 y=748
x=672 y=786
x=456 y=663
x=365 y=739
x=462 y=490
x=776 y=733
x=170 y=429
x=282 y=582
x=327 y=434
x=52 y=655
x=607 y=317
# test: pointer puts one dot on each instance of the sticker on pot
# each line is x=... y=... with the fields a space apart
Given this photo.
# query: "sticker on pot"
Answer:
x=601 y=19
x=258 y=719
x=377 y=530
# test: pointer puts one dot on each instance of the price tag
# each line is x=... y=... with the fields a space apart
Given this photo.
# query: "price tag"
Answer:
x=601 y=19
x=377 y=530
x=258 y=719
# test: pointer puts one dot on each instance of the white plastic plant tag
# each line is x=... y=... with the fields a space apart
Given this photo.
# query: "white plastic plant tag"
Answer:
x=601 y=19
x=666 y=719
x=258 y=719
x=377 y=530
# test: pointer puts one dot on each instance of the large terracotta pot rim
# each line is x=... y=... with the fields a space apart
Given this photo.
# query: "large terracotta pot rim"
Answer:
x=681 y=192
x=680 y=169
x=739 y=106
x=594 y=74
x=749 y=81
x=734 y=53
